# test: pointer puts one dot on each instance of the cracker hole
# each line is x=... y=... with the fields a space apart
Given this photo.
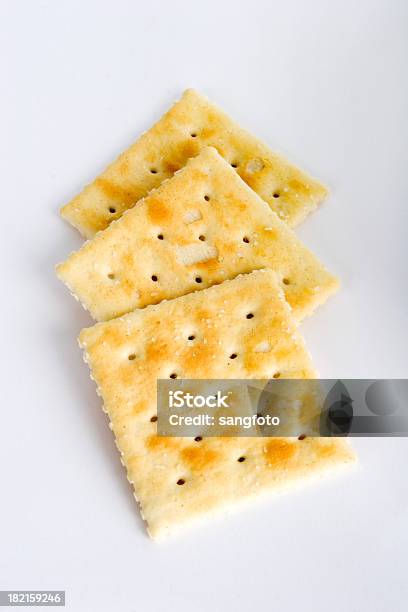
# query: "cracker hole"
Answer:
x=153 y=171
x=201 y=237
x=181 y=481
x=245 y=239
x=207 y=198
x=154 y=278
x=191 y=337
x=153 y=419
x=234 y=164
x=197 y=439
x=276 y=195
x=286 y=281
x=276 y=375
x=193 y=135
x=198 y=279
x=132 y=357
x=233 y=356
x=160 y=236
x=111 y=276
x=173 y=375
x=302 y=437
x=241 y=459
x=250 y=315
x=112 y=210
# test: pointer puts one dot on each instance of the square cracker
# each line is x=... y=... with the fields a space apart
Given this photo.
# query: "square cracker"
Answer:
x=128 y=355
x=191 y=124
x=201 y=227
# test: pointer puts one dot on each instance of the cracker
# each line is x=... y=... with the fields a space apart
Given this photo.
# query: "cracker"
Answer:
x=191 y=124
x=201 y=227
x=179 y=480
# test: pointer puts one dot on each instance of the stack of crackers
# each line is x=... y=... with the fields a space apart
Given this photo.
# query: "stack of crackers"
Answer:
x=193 y=271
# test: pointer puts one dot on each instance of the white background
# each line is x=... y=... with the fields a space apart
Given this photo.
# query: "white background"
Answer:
x=325 y=83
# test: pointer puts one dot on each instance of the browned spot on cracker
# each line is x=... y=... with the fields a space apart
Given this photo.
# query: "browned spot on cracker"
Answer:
x=199 y=458
x=210 y=265
x=114 y=192
x=161 y=443
x=201 y=314
x=170 y=166
x=139 y=407
x=127 y=286
x=86 y=216
x=278 y=452
x=300 y=188
x=157 y=350
x=112 y=336
x=326 y=450
x=189 y=149
x=270 y=234
x=297 y=299
x=201 y=355
x=207 y=134
x=157 y=211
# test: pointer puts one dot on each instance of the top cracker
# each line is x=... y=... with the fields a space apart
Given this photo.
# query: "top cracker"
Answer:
x=191 y=124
